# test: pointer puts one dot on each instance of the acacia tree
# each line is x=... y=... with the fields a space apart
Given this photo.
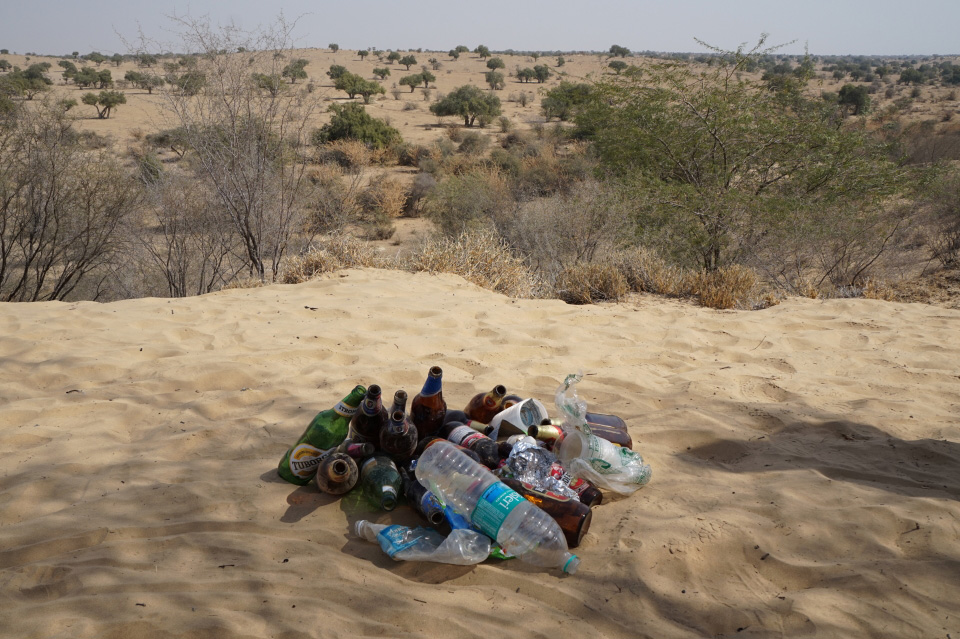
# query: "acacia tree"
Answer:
x=616 y=50
x=470 y=103
x=412 y=81
x=105 y=102
x=618 y=65
x=243 y=139
x=408 y=61
x=296 y=70
x=722 y=166
x=855 y=97
x=494 y=79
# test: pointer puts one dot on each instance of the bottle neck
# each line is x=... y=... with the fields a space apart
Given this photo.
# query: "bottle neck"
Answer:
x=371 y=406
x=432 y=386
x=347 y=406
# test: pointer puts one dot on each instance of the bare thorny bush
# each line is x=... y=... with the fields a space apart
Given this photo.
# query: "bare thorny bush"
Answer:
x=244 y=139
x=185 y=239
x=62 y=207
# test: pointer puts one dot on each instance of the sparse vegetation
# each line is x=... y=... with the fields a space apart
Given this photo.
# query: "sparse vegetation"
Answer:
x=806 y=201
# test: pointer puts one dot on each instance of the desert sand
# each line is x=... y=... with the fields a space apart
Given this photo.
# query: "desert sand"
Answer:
x=806 y=465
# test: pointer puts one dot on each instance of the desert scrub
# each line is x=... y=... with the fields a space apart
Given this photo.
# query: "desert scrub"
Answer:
x=385 y=197
x=590 y=283
x=481 y=258
x=333 y=254
x=647 y=272
x=468 y=201
x=730 y=287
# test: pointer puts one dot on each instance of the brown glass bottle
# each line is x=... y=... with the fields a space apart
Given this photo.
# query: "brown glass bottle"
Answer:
x=612 y=433
x=463 y=435
x=484 y=406
x=510 y=400
x=399 y=402
x=428 y=408
x=337 y=474
x=573 y=516
x=372 y=416
x=399 y=438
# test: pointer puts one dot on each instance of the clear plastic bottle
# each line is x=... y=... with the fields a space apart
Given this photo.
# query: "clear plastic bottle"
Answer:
x=462 y=547
x=497 y=510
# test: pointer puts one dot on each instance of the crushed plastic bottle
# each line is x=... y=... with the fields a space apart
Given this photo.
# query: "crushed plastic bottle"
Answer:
x=462 y=547
x=501 y=513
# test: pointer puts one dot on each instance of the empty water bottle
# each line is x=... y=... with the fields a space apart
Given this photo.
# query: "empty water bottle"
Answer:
x=461 y=547
x=497 y=510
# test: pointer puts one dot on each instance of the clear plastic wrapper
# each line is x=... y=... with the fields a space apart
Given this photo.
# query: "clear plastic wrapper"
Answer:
x=538 y=467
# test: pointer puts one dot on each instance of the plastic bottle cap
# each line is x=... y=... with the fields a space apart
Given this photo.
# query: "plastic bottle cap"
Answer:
x=572 y=564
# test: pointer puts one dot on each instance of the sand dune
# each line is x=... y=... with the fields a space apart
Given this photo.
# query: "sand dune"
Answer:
x=806 y=465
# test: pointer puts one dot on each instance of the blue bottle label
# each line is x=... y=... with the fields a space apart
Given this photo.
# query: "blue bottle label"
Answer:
x=496 y=503
x=429 y=502
x=394 y=539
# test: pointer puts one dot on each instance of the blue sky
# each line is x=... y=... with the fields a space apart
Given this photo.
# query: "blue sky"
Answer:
x=838 y=27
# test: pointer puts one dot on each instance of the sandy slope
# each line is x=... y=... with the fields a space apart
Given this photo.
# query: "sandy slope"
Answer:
x=806 y=465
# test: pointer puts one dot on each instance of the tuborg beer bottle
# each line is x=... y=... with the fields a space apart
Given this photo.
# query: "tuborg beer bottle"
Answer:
x=324 y=434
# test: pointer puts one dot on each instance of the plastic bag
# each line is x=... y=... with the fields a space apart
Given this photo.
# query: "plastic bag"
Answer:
x=462 y=547
x=585 y=455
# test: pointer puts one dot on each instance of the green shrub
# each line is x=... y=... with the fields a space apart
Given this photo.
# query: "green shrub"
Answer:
x=352 y=122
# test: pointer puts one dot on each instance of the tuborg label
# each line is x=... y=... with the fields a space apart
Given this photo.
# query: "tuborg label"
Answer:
x=304 y=460
x=496 y=503
x=343 y=409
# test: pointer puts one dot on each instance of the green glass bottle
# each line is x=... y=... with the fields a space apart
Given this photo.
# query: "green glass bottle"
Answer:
x=381 y=481
x=327 y=430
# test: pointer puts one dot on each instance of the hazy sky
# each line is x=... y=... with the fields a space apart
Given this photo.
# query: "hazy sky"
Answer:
x=828 y=26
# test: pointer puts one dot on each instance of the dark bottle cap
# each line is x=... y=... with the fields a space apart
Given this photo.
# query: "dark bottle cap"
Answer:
x=455 y=416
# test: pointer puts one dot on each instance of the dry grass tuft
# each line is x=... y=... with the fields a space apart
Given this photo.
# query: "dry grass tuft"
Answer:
x=589 y=283
x=248 y=282
x=385 y=197
x=731 y=287
x=481 y=258
x=647 y=272
x=331 y=255
x=352 y=155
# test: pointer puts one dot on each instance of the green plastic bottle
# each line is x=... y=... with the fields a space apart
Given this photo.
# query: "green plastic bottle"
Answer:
x=323 y=435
